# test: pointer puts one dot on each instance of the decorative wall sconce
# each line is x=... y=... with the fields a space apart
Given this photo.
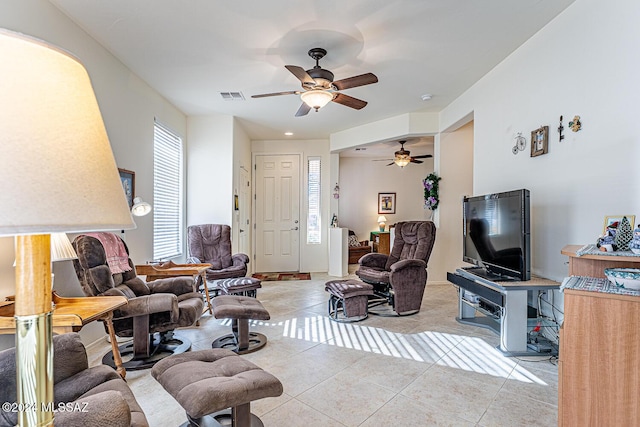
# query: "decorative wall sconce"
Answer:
x=336 y=191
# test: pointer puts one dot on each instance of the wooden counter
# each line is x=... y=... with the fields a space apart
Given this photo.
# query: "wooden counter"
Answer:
x=594 y=265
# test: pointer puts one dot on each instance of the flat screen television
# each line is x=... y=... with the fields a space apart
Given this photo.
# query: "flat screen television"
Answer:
x=497 y=235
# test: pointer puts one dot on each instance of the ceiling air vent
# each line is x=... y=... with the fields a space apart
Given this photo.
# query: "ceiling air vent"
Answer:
x=232 y=96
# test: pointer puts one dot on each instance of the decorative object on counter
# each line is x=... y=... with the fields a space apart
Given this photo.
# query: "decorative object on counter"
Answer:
x=575 y=124
x=520 y=145
x=624 y=235
x=634 y=245
x=627 y=278
x=431 y=198
x=336 y=191
x=613 y=221
x=540 y=141
x=334 y=221
x=382 y=220
x=606 y=242
x=386 y=203
x=560 y=130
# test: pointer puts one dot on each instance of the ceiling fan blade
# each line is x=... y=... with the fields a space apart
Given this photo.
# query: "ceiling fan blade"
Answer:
x=355 y=81
x=349 y=101
x=381 y=160
x=264 y=95
x=391 y=164
x=425 y=156
x=303 y=110
x=301 y=74
x=413 y=160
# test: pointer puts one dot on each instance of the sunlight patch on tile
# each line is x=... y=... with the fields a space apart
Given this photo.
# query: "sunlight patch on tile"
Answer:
x=456 y=351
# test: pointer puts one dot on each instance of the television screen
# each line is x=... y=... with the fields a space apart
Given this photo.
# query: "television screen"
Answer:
x=496 y=234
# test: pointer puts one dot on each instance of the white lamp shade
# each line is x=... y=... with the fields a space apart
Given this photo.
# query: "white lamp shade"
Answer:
x=382 y=219
x=316 y=98
x=56 y=166
x=140 y=207
x=61 y=248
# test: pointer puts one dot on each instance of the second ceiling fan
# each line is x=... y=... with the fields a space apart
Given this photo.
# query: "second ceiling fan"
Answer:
x=319 y=88
x=403 y=157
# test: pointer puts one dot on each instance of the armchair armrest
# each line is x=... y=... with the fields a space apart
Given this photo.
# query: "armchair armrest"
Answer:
x=101 y=409
x=148 y=304
x=193 y=260
x=172 y=285
x=240 y=259
x=408 y=263
x=375 y=260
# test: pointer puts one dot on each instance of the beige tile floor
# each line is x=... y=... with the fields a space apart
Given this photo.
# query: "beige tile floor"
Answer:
x=421 y=370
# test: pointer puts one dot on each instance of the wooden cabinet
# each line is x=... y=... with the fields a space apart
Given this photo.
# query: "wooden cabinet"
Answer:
x=599 y=366
x=381 y=241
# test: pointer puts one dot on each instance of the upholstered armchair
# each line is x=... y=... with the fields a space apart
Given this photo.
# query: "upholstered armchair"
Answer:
x=211 y=244
x=401 y=276
x=156 y=307
x=95 y=396
x=357 y=248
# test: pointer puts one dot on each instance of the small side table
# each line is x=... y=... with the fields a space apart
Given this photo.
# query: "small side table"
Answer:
x=381 y=241
x=154 y=272
x=71 y=314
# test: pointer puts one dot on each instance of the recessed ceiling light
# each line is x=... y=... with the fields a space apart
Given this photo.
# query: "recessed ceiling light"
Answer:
x=426 y=97
x=288 y=133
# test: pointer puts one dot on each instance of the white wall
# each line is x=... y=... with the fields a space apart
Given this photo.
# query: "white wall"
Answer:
x=210 y=170
x=313 y=258
x=582 y=63
x=128 y=106
x=456 y=170
x=361 y=179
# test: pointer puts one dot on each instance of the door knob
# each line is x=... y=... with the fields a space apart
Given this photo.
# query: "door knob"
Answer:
x=241 y=230
x=295 y=228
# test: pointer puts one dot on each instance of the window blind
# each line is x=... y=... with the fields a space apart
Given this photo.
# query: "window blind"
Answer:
x=313 y=195
x=167 y=193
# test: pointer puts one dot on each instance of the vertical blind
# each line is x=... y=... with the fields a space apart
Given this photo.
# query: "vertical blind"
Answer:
x=313 y=195
x=167 y=193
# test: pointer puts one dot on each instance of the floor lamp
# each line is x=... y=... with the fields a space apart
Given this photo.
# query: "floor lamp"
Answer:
x=58 y=174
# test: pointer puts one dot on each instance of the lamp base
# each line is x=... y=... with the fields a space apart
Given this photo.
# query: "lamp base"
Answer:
x=382 y=228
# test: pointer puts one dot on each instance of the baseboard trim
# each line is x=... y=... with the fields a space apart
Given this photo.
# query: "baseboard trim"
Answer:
x=438 y=282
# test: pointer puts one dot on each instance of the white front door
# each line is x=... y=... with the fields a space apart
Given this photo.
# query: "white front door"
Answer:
x=277 y=202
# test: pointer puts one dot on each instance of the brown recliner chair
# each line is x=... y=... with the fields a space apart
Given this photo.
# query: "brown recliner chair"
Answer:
x=400 y=277
x=156 y=307
x=95 y=396
x=211 y=244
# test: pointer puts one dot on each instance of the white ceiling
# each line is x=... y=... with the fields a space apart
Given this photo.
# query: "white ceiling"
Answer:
x=192 y=50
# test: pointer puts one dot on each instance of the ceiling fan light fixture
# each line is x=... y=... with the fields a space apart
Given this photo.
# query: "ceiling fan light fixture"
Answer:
x=316 y=98
x=402 y=160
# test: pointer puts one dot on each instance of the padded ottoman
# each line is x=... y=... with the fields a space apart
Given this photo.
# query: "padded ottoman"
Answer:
x=206 y=382
x=349 y=296
x=240 y=309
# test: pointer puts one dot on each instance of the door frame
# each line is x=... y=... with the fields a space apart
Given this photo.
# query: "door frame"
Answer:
x=301 y=203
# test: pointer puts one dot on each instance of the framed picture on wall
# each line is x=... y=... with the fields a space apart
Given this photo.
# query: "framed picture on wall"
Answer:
x=128 y=180
x=386 y=203
x=540 y=141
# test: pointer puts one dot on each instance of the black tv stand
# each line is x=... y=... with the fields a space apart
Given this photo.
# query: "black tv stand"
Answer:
x=502 y=303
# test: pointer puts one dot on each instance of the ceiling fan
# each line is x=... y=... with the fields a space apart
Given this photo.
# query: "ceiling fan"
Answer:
x=403 y=157
x=319 y=88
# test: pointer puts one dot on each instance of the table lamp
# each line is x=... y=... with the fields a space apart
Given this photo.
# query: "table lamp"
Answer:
x=58 y=174
x=382 y=222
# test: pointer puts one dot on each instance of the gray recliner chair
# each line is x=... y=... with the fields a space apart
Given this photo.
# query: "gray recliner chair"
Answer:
x=400 y=277
x=98 y=395
x=211 y=244
x=153 y=311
